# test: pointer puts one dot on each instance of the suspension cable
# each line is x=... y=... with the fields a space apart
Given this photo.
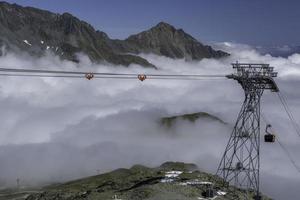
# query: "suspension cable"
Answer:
x=289 y=113
x=284 y=99
x=289 y=155
x=283 y=147
x=107 y=77
x=38 y=71
x=41 y=75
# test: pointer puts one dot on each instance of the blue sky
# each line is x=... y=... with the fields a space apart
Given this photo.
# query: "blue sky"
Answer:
x=255 y=22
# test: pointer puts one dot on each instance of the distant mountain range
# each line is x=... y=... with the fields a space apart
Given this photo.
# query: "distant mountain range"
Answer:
x=37 y=31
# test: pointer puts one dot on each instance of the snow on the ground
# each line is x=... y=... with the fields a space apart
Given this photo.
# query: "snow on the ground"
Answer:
x=170 y=176
x=196 y=182
x=207 y=198
x=26 y=42
x=167 y=180
x=205 y=183
x=173 y=174
x=220 y=193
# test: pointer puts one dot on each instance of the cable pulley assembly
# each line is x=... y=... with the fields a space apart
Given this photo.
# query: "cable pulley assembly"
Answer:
x=89 y=76
x=142 y=77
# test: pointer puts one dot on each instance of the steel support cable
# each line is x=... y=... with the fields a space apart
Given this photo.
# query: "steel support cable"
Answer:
x=285 y=150
x=289 y=113
x=285 y=101
x=41 y=76
x=113 y=74
x=104 y=76
x=289 y=155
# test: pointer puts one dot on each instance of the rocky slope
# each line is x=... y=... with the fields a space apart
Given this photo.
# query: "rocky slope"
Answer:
x=37 y=31
x=170 y=181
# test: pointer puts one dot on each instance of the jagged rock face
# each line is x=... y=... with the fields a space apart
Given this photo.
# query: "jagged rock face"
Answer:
x=37 y=31
x=164 y=39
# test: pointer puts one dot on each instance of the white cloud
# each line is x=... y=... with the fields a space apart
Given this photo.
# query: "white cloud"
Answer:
x=55 y=129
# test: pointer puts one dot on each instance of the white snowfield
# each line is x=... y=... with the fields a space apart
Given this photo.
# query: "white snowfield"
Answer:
x=167 y=180
x=208 y=198
x=196 y=182
x=220 y=193
x=26 y=42
x=170 y=176
x=43 y=42
x=173 y=174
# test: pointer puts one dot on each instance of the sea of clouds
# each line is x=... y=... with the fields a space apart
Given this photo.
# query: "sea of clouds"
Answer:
x=58 y=129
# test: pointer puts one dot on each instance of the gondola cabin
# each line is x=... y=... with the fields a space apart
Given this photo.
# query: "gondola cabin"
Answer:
x=270 y=138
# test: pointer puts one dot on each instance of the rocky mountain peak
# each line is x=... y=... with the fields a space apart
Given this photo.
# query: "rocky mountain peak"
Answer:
x=164 y=39
x=164 y=26
x=67 y=15
x=37 y=31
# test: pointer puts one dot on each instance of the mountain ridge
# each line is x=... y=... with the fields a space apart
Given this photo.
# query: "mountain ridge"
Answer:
x=37 y=31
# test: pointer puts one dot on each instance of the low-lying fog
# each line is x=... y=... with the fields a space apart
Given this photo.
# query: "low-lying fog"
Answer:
x=57 y=129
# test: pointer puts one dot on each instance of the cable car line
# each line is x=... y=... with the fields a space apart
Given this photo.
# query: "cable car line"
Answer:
x=289 y=156
x=42 y=76
x=285 y=101
x=283 y=147
x=289 y=113
x=103 y=73
x=106 y=77
x=287 y=106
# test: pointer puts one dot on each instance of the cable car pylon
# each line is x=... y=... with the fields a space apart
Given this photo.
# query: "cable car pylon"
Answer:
x=240 y=163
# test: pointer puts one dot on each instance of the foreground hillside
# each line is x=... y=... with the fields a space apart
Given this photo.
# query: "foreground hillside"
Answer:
x=169 y=181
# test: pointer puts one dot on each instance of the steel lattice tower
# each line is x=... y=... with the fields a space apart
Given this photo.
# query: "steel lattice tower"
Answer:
x=241 y=160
